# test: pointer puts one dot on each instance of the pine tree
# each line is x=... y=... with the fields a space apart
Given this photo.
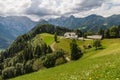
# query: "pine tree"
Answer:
x=75 y=50
x=101 y=32
x=107 y=33
x=55 y=37
x=38 y=51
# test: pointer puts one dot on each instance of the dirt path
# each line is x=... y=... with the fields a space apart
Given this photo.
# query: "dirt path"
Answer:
x=52 y=46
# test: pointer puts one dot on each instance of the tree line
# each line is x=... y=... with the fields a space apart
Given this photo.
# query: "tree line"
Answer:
x=112 y=32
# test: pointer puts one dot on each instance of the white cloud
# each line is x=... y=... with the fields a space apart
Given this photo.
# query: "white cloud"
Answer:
x=37 y=9
x=13 y=7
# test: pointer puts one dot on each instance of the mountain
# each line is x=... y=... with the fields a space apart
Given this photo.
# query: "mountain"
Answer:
x=13 y=26
x=90 y=23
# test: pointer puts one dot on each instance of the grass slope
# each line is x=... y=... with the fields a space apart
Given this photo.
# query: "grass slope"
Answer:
x=47 y=38
x=94 y=65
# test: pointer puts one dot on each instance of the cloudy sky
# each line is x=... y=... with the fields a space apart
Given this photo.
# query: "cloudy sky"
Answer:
x=44 y=9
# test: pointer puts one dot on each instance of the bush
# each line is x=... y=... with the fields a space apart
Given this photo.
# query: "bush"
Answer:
x=37 y=65
x=28 y=66
x=1 y=78
x=60 y=60
x=97 y=44
x=9 y=72
x=49 y=61
x=59 y=53
x=89 y=46
x=19 y=69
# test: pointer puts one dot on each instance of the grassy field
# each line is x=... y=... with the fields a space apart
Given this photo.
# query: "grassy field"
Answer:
x=47 y=38
x=65 y=44
x=94 y=65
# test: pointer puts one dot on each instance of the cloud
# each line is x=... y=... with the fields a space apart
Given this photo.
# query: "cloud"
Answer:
x=56 y=8
x=13 y=7
x=44 y=8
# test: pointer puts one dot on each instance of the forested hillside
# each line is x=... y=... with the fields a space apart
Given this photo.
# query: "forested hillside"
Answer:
x=29 y=53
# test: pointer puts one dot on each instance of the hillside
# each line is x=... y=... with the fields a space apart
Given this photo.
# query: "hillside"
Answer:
x=13 y=26
x=94 y=65
x=31 y=49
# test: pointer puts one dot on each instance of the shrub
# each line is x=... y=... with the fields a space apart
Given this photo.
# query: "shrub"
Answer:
x=1 y=78
x=60 y=60
x=89 y=46
x=19 y=69
x=59 y=53
x=37 y=65
x=28 y=66
x=49 y=61
x=97 y=44
x=84 y=46
x=9 y=72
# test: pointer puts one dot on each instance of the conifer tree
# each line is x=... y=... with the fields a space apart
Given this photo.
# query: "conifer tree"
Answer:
x=75 y=50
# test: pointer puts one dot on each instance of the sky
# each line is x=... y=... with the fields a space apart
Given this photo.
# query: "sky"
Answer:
x=45 y=9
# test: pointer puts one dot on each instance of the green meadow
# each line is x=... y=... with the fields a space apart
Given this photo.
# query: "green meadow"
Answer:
x=102 y=64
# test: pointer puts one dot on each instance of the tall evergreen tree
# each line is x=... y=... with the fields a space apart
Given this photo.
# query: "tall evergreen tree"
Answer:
x=75 y=50
x=55 y=37
x=101 y=32
x=79 y=33
x=38 y=51
x=107 y=33
x=114 y=32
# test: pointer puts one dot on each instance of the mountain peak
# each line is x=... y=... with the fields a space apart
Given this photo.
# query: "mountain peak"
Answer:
x=71 y=16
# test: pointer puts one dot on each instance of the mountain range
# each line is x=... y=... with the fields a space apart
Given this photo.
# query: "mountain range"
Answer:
x=13 y=26
x=90 y=23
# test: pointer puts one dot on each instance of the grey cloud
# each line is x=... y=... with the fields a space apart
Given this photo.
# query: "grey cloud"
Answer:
x=36 y=10
x=89 y=4
x=80 y=7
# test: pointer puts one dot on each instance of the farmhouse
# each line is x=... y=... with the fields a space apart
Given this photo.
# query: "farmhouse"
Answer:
x=71 y=35
x=95 y=37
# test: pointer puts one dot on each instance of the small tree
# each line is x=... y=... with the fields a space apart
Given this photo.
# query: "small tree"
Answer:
x=55 y=37
x=97 y=44
x=75 y=50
